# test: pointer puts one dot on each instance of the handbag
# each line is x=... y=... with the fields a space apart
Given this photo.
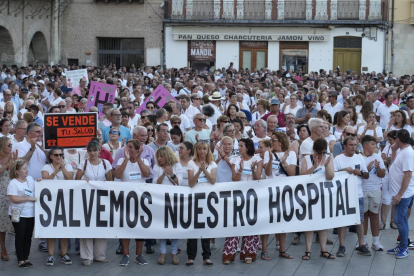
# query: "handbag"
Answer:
x=15 y=214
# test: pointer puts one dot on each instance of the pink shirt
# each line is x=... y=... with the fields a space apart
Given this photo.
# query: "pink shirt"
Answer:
x=76 y=90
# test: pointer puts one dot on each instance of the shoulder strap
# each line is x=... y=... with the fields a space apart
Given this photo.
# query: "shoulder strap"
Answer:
x=84 y=166
x=104 y=164
x=311 y=158
x=281 y=168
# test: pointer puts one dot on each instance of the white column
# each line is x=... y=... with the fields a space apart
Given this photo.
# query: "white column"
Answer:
x=268 y=9
x=308 y=9
x=362 y=9
x=334 y=10
x=177 y=7
x=189 y=9
x=321 y=10
x=240 y=9
x=375 y=10
x=281 y=9
x=217 y=9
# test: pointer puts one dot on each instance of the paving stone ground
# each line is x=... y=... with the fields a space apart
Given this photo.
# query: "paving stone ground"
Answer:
x=378 y=264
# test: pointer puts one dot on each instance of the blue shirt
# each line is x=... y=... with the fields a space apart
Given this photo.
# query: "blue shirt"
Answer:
x=16 y=100
x=125 y=133
x=38 y=121
x=65 y=89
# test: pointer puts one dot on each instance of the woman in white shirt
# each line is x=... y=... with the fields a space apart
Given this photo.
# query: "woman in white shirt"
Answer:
x=262 y=109
x=5 y=127
x=293 y=107
x=21 y=192
x=94 y=169
x=398 y=121
x=318 y=163
x=57 y=170
x=113 y=145
x=132 y=168
x=224 y=155
x=167 y=171
x=185 y=153
x=342 y=120
x=283 y=165
x=370 y=128
x=245 y=167
x=202 y=170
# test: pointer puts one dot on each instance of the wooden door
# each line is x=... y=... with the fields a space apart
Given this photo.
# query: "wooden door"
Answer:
x=347 y=59
x=253 y=55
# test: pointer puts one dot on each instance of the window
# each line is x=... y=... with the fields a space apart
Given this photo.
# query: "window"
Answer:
x=73 y=62
x=121 y=51
x=294 y=56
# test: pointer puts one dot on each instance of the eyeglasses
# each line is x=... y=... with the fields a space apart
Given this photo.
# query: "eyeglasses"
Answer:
x=330 y=96
x=150 y=129
x=196 y=99
x=350 y=134
x=39 y=131
x=231 y=130
x=175 y=123
x=321 y=152
x=58 y=155
x=61 y=106
x=130 y=107
x=10 y=145
x=242 y=118
x=225 y=122
x=114 y=132
x=201 y=119
x=143 y=117
x=274 y=140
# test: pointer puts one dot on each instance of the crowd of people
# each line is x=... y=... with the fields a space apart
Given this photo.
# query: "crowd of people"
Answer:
x=225 y=125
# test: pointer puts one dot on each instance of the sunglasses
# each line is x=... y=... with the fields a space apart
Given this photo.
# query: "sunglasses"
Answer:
x=9 y=145
x=321 y=152
x=196 y=99
x=202 y=120
x=150 y=129
x=58 y=155
x=242 y=118
x=130 y=107
x=175 y=123
x=350 y=134
x=115 y=132
x=330 y=96
x=61 y=106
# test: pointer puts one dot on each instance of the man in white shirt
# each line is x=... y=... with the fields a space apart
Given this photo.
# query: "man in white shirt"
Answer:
x=187 y=89
x=401 y=187
x=198 y=133
x=133 y=117
x=147 y=72
x=373 y=97
x=353 y=164
x=384 y=111
x=260 y=131
x=333 y=106
x=188 y=109
x=20 y=133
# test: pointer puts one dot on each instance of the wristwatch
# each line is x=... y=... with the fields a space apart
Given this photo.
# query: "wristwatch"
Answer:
x=361 y=174
x=173 y=176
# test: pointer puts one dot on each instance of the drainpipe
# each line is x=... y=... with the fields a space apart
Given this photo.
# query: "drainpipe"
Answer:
x=392 y=36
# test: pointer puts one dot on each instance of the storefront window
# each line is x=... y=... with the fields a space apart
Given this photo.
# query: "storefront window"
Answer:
x=295 y=60
x=294 y=56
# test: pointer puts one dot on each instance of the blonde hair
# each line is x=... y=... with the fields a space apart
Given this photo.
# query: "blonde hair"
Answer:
x=231 y=139
x=266 y=143
x=17 y=165
x=209 y=157
x=168 y=154
x=3 y=143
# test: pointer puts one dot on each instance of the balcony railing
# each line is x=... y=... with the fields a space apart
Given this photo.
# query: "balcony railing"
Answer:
x=264 y=10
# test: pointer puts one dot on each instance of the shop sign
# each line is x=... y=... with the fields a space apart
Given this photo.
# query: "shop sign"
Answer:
x=233 y=37
x=202 y=50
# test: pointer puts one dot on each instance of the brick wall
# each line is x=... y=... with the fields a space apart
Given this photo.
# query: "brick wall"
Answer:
x=85 y=20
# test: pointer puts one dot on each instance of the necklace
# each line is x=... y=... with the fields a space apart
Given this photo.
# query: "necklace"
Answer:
x=95 y=172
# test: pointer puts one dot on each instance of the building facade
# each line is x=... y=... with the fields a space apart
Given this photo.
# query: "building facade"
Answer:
x=302 y=35
x=81 y=32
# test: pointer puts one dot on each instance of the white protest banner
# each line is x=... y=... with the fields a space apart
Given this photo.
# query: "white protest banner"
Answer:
x=73 y=77
x=77 y=209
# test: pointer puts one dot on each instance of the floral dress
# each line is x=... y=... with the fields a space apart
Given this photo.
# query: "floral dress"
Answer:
x=5 y=223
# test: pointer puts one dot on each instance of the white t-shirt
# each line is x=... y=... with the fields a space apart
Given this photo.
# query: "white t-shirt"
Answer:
x=333 y=109
x=37 y=161
x=185 y=123
x=202 y=178
x=378 y=130
x=114 y=151
x=132 y=172
x=59 y=176
x=309 y=163
x=16 y=188
x=247 y=170
x=404 y=161
x=384 y=112
x=355 y=162
x=95 y=172
x=374 y=182
x=190 y=112
x=185 y=174
x=288 y=109
x=224 y=171
x=407 y=127
x=277 y=170
x=256 y=140
x=158 y=171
